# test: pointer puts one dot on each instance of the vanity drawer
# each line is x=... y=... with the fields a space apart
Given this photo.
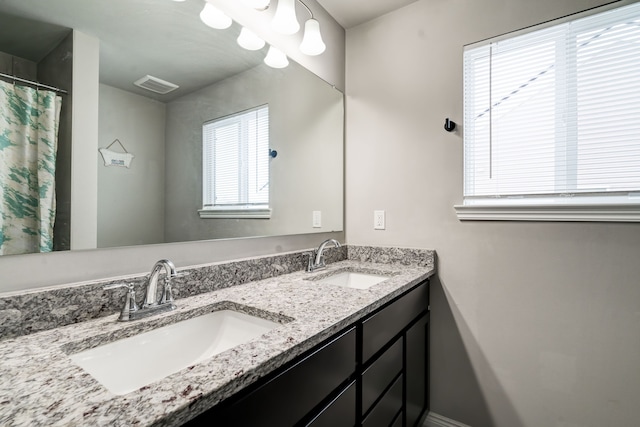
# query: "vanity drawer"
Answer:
x=290 y=395
x=385 y=412
x=380 y=374
x=380 y=328
x=340 y=412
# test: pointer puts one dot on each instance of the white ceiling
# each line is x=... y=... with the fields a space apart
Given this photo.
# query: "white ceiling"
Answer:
x=350 y=13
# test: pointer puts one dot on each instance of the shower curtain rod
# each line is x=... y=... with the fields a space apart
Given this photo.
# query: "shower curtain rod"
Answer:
x=38 y=85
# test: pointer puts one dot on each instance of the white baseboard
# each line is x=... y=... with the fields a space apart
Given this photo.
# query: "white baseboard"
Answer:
x=435 y=420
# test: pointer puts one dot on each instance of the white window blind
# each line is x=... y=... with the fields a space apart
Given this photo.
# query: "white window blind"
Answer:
x=552 y=116
x=236 y=161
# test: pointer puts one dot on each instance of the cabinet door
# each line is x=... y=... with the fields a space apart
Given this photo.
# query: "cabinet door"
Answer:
x=417 y=370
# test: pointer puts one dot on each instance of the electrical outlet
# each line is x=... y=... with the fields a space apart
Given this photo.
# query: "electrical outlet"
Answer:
x=378 y=220
x=317 y=219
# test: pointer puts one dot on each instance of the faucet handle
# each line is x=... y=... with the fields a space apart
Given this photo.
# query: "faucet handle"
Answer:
x=118 y=286
x=312 y=256
x=130 y=305
x=167 y=293
x=180 y=274
x=312 y=265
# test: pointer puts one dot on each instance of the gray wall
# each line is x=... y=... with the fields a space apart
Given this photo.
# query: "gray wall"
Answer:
x=16 y=66
x=84 y=141
x=305 y=117
x=131 y=200
x=533 y=324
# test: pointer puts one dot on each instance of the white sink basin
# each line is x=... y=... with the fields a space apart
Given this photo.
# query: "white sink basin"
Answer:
x=351 y=279
x=130 y=363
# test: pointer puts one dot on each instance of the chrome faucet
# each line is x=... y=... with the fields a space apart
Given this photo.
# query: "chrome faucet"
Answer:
x=316 y=260
x=151 y=305
x=151 y=297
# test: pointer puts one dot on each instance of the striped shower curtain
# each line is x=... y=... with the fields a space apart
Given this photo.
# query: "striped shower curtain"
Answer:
x=29 y=120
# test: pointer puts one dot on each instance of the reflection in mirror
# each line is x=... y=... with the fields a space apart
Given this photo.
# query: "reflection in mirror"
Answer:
x=160 y=197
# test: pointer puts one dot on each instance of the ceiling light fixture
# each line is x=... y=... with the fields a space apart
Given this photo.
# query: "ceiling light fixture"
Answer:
x=276 y=58
x=214 y=17
x=312 y=43
x=284 y=20
x=249 y=40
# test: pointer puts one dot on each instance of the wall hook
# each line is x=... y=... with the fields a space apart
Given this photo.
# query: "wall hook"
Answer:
x=273 y=153
x=449 y=125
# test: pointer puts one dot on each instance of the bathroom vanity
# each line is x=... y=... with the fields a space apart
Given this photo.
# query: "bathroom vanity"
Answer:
x=341 y=352
x=372 y=373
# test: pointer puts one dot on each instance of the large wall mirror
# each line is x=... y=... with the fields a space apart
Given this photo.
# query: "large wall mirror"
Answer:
x=159 y=197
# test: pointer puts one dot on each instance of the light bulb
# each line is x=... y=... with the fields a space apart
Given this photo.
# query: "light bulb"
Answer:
x=257 y=4
x=312 y=43
x=214 y=17
x=249 y=40
x=276 y=58
x=284 y=20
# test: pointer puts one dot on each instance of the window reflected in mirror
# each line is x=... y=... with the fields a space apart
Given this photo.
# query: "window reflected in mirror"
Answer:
x=236 y=164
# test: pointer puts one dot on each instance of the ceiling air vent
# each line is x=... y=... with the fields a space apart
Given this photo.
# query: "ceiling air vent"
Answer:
x=155 y=84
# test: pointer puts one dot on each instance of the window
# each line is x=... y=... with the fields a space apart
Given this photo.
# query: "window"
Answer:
x=552 y=121
x=236 y=166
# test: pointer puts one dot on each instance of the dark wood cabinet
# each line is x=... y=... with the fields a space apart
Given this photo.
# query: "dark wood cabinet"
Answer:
x=417 y=371
x=373 y=373
x=395 y=361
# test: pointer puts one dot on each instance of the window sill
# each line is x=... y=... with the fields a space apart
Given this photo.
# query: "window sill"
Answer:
x=578 y=213
x=242 y=213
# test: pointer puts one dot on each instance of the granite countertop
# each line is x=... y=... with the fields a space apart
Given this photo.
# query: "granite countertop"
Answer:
x=40 y=385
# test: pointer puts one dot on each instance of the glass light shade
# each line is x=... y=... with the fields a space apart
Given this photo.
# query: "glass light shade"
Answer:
x=257 y=4
x=276 y=58
x=312 y=43
x=284 y=20
x=249 y=40
x=214 y=17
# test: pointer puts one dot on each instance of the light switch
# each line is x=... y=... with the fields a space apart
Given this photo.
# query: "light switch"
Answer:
x=317 y=219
